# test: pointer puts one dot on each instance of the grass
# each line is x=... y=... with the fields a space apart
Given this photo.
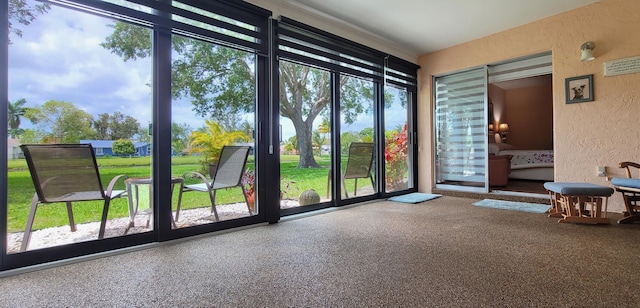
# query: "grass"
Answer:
x=20 y=187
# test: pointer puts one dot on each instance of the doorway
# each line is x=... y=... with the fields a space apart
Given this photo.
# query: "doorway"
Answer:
x=517 y=122
x=521 y=94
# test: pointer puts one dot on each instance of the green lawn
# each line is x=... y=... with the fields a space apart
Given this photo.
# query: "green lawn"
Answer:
x=20 y=189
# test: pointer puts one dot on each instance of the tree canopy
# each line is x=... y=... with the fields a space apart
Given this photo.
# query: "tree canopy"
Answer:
x=115 y=126
x=62 y=121
x=123 y=147
x=15 y=113
x=23 y=13
x=220 y=81
x=210 y=139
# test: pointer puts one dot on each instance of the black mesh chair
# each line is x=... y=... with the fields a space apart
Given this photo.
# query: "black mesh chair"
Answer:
x=358 y=166
x=228 y=174
x=66 y=173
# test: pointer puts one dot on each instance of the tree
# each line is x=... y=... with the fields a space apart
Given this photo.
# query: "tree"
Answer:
x=15 y=112
x=179 y=136
x=144 y=133
x=366 y=135
x=61 y=122
x=123 y=147
x=220 y=81
x=210 y=140
x=346 y=139
x=31 y=136
x=101 y=125
x=21 y=12
x=115 y=126
x=318 y=141
x=325 y=127
x=291 y=145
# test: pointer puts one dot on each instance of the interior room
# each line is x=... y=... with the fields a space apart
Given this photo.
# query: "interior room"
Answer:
x=525 y=105
x=331 y=153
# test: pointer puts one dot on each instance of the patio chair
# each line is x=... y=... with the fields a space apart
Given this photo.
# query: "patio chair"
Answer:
x=629 y=187
x=66 y=173
x=228 y=174
x=359 y=163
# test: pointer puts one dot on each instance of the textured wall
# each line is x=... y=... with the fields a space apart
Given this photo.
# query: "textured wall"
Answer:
x=530 y=117
x=599 y=133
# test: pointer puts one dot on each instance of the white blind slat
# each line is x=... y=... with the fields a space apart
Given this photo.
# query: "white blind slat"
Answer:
x=461 y=127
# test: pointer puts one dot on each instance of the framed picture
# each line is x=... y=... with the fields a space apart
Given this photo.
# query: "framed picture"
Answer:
x=579 y=89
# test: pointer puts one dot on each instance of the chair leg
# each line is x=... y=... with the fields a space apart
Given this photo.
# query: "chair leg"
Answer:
x=344 y=186
x=103 y=222
x=328 y=183
x=355 y=187
x=72 y=222
x=26 y=238
x=246 y=201
x=173 y=221
x=631 y=214
x=212 y=196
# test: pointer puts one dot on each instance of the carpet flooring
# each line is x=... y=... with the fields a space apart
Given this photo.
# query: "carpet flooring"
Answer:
x=443 y=253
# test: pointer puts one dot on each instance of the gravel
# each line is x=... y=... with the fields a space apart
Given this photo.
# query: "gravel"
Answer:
x=56 y=236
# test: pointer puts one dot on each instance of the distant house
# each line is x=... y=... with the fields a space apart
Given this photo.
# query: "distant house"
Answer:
x=104 y=147
x=13 y=149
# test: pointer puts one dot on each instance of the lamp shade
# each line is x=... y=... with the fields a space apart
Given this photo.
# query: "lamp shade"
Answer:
x=504 y=127
x=587 y=55
x=587 y=51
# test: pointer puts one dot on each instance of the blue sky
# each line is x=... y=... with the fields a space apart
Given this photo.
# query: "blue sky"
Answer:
x=59 y=58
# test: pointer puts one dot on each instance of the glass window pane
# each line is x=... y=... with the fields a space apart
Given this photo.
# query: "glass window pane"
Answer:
x=305 y=155
x=357 y=97
x=69 y=85
x=461 y=129
x=212 y=131
x=396 y=152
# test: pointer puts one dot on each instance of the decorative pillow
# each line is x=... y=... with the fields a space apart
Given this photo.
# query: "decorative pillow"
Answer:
x=495 y=148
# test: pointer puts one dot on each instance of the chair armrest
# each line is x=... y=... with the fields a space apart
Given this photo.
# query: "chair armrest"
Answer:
x=113 y=183
x=627 y=165
x=197 y=175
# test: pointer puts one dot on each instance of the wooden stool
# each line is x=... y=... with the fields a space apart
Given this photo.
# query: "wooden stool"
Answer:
x=569 y=201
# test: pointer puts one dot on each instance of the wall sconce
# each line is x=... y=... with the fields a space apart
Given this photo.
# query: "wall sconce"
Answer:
x=503 y=130
x=587 y=51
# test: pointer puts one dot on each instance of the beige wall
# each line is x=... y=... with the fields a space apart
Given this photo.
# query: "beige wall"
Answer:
x=530 y=117
x=586 y=135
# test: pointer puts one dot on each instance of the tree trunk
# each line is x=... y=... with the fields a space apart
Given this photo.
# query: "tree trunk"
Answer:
x=305 y=146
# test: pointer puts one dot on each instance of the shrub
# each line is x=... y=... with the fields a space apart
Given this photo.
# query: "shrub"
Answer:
x=395 y=156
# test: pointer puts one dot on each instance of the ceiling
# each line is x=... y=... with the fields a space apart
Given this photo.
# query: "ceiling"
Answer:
x=423 y=26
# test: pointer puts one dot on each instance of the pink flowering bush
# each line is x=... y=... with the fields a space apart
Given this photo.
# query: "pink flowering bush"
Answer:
x=395 y=156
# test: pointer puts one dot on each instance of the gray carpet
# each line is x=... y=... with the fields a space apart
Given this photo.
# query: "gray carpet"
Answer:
x=443 y=253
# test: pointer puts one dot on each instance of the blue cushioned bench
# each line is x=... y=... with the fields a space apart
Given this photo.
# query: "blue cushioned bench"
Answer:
x=569 y=201
x=630 y=189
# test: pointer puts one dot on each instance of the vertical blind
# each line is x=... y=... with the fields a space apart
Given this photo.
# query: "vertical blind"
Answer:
x=460 y=127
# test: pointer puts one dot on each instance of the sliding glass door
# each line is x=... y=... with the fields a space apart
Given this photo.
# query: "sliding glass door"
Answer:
x=461 y=131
